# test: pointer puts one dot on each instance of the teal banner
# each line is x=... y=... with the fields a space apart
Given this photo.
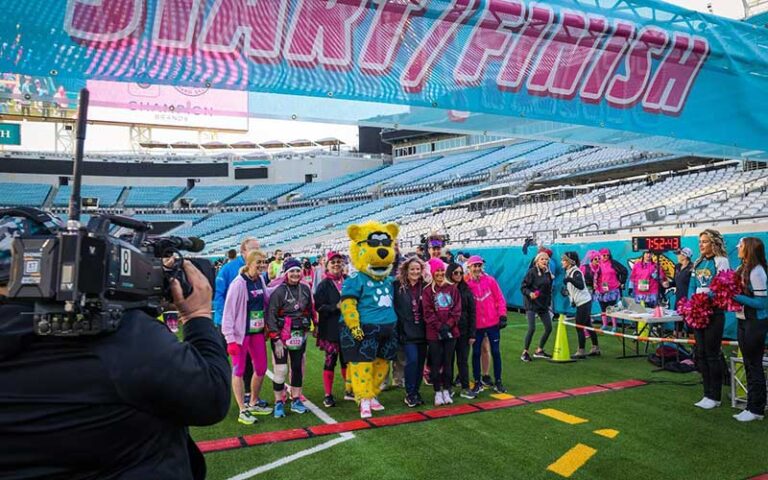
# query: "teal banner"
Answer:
x=10 y=134
x=591 y=71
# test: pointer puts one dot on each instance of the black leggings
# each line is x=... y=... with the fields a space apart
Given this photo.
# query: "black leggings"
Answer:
x=546 y=319
x=708 y=356
x=462 y=360
x=297 y=366
x=583 y=314
x=441 y=363
x=752 y=344
x=330 y=361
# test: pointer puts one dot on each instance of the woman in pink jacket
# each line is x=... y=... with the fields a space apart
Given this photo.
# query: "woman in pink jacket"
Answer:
x=491 y=318
x=243 y=328
x=646 y=278
x=609 y=284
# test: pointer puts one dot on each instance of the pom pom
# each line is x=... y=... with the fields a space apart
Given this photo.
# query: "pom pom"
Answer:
x=725 y=286
x=696 y=311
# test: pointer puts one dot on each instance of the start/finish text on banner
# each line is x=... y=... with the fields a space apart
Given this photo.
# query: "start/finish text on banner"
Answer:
x=532 y=47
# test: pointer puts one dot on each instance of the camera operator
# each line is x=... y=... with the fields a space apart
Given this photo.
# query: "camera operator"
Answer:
x=110 y=406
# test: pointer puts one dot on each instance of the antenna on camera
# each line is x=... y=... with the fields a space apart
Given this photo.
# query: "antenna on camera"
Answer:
x=77 y=169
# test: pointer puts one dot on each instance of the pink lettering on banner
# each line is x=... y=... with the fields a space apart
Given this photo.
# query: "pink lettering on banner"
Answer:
x=561 y=65
x=626 y=89
x=674 y=78
x=431 y=48
x=103 y=20
x=607 y=62
x=321 y=32
x=384 y=36
x=489 y=39
x=515 y=66
x=175 y=22
x=259 y=21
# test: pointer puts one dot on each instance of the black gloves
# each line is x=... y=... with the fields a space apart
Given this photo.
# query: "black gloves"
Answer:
x=502 y=322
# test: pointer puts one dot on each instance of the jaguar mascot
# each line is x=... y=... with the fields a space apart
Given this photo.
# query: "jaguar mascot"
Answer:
x=368 y=334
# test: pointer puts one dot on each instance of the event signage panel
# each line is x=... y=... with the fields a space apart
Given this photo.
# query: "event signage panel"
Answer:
x=654 y=69
x=10 y=134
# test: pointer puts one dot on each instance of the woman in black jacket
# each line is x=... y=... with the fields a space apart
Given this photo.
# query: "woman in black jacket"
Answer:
x=455 y=275
x=537 y=297
x=410 y=324
x=327 y=298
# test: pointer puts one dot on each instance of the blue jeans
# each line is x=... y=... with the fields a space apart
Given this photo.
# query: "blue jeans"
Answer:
x=415 y=354
x=494 y=338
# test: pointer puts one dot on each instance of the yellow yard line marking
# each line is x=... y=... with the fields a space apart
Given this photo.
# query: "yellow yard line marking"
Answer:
x=502 y=396
x=562 y=416
x=573 y=459
x=607 y=432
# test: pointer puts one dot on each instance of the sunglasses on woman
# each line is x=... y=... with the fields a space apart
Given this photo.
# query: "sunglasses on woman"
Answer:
x=457 y=272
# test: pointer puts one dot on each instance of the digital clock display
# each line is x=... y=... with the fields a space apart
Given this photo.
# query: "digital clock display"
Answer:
x=655 y=244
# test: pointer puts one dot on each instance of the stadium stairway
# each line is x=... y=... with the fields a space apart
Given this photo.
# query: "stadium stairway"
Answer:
x=48 y=203
x=120 y=203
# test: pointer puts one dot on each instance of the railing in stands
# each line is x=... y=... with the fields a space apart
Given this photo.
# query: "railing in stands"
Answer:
x=763 y=179
x=645 y=211
x=581 y=228
x=704 y=195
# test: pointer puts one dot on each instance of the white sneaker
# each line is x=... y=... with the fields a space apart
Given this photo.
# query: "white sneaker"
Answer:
x=439 y=399
x=365 y=408
x=376 y=406
x=747 y=416
x=707 y=403
x=447 y=400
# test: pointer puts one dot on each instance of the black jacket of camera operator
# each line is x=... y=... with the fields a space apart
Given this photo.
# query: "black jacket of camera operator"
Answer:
x=111 y=406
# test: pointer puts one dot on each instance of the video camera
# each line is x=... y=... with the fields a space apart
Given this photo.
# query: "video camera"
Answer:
x=82 y=279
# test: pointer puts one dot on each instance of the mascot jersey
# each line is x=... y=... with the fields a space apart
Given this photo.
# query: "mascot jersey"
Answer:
x=374 y=298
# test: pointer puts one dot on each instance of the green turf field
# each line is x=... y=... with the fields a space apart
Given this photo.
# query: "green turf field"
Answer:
x=661 y=435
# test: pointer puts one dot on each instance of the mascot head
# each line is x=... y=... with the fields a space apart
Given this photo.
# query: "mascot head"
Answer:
x=372 y=247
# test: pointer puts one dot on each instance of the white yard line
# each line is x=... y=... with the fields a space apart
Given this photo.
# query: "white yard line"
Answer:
x=296 y=456
x=319 y=413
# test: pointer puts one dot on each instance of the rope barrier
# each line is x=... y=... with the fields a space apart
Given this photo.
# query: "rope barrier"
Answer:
x=640 y=338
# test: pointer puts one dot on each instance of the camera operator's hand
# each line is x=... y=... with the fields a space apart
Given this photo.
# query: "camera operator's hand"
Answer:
x=198 y=304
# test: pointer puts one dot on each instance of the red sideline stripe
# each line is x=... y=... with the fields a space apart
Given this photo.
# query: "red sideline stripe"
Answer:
x=543 y=397
x=397 y=419
x=450 y=411
x=339 y=427
x=624 y=384
x=585 y=390
x=274 y=437
x=494 y=404
x=760 y=477
x=220 y=444
x=411 y=417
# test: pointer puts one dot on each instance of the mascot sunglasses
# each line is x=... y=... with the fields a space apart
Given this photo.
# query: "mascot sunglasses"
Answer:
x=375 y=242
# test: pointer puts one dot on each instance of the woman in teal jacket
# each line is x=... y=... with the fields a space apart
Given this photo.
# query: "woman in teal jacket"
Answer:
x=753 y=324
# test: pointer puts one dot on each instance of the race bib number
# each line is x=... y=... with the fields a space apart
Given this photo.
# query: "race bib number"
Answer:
x=256 y=322
x=643 y=285
x=605 y=287
x=295 y=341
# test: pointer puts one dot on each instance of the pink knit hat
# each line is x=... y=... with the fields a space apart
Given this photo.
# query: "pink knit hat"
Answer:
x=436 y=264
x=475 y=259
x=605 y=251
